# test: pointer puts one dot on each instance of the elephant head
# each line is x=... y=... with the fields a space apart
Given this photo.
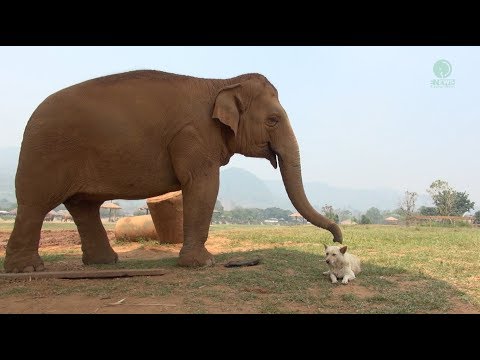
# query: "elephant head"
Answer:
x=259 y=127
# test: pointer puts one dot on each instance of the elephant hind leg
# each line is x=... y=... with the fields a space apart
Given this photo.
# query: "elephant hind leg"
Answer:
x=22 y=248
x=95 y=245
x=198 y=202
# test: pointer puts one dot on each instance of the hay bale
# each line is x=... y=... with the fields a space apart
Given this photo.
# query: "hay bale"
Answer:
x=135 y=228
x=167 y=214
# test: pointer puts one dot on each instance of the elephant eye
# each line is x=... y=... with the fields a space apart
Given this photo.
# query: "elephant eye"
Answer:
x=272 y=121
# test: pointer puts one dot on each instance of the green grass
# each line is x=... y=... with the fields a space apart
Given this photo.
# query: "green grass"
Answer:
x=8 y=226
x=404 y=270
x=446 y=260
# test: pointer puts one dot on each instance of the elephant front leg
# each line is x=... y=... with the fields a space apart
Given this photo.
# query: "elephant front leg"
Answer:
x=199 y=196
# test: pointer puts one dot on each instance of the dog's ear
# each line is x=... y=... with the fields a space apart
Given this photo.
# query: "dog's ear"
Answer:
x=343 y=249
x=325 y=246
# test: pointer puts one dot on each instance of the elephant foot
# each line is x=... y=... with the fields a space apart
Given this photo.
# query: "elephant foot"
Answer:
x=100 y=257
x=196 y=257
x=22 y=262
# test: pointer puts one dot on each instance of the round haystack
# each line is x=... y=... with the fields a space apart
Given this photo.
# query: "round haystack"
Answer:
x=135 y=228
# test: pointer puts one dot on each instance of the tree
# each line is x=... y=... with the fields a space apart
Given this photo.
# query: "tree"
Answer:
x=343 y=214
x=218 y=206
x=365 y=220
x=462 y=204
x=330 y=213
x=449 y=201
x=374 y=215
x=428 y=210
x=407 y=205
x=443 y=197
x=276 y=213
x=477 y=217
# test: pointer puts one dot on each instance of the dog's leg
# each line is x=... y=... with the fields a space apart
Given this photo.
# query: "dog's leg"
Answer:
x=349 y=276
x=333 y=278
x=326 y=272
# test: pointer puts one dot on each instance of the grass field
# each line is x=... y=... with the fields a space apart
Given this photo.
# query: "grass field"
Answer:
x=405 y=270
x=8 y=225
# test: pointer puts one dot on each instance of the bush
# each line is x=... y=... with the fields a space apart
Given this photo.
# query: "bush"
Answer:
x=447 y=224
x=476 y=220
x=365 y=220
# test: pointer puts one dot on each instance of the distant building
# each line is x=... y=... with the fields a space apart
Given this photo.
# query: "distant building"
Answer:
x=297 y=217
x=348 y=222
x=391 y=220
x=271 y=221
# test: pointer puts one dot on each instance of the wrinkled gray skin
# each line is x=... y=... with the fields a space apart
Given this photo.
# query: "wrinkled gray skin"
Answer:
x=141 y=134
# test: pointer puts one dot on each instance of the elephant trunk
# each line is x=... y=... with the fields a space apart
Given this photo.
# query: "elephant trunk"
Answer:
x=290 y=168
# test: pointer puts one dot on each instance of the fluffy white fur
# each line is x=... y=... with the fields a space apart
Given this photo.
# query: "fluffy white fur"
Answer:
x=342 y=265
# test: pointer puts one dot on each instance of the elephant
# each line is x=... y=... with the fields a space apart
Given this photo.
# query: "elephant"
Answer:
x=48 y=217
x=66 y=217
x=140 y=134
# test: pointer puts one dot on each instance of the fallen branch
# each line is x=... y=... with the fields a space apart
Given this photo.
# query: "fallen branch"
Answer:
x=87 y=274
x=243 y=262
x=150 y=304
x=119 y=302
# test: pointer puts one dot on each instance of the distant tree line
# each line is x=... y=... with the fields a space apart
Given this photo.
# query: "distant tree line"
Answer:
x=6 y=205
x=250 y=215
x=447 y=201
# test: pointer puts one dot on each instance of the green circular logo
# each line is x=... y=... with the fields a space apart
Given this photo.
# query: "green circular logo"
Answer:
x=442 y=69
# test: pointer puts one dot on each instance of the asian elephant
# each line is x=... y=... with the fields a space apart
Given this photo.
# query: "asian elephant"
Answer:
x=141 y=134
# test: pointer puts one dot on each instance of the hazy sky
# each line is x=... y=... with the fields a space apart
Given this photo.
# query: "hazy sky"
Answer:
x=364 y=117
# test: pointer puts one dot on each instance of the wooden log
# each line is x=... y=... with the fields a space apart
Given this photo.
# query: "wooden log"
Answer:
x=135 y=228
x=243 y=262
x=167 y=214
x=87 y=274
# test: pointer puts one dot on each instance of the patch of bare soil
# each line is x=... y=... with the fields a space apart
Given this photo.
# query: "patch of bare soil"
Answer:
x=80 y=304
x=462 y=307
x=352 y=288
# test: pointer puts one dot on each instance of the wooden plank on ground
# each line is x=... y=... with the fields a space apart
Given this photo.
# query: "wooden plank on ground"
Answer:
x=84 y=274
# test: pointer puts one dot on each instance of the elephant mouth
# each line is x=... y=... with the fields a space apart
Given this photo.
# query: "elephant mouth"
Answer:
x=272 y=156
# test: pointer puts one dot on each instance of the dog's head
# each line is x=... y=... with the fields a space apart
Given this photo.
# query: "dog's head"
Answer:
x=334 y=254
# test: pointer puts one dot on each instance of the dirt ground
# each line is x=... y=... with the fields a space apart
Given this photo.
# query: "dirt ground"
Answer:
x=178 y=291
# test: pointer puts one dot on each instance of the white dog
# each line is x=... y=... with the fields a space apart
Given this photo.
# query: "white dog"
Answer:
x=341 y=264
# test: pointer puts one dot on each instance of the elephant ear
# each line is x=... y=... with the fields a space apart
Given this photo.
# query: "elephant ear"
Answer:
x=228 y=107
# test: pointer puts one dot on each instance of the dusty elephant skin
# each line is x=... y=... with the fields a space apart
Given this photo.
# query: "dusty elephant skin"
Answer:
x=142 y=134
